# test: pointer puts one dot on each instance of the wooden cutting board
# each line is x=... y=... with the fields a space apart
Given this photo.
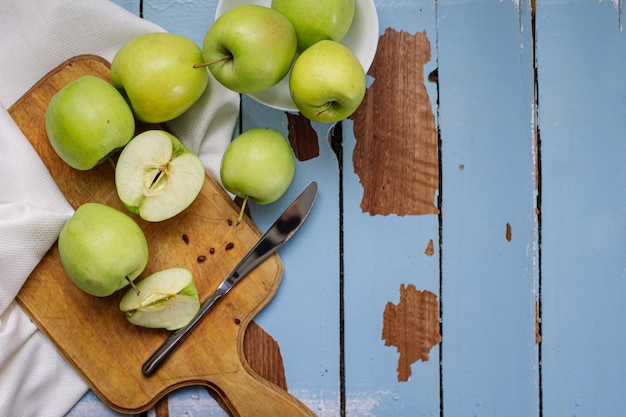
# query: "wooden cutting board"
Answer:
x=93 y=334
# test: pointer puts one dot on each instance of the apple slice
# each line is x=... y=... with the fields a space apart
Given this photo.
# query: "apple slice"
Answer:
x=167 y=299
x=157 y=177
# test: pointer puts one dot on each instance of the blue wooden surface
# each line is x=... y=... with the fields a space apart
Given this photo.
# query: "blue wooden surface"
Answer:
x=382 y=253
x=550 y=166
x=489 y=284
x=582 y=85
x=303 y=315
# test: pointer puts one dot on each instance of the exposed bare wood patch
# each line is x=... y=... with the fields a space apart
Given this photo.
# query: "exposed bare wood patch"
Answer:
x=412 y=326
x=161 y=409
x=395 y=155
x=302 y=137
x=263 y=355
x=430 y=248
x=508 y=233
x=537 y=323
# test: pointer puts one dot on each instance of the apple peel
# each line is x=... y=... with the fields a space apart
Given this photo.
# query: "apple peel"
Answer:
x=167 y=299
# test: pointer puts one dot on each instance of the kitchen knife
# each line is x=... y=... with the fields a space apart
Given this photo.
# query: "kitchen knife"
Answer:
x=282 y=229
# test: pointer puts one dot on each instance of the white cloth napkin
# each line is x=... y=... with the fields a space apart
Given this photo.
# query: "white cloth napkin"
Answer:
x=35 y=37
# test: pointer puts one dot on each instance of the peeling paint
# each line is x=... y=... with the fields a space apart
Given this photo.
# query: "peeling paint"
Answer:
x=302 y=137
x=537 y=323
x=430 y=248
x=396 y=151
x=508 y=232
x=619 y=9
x=412 y=326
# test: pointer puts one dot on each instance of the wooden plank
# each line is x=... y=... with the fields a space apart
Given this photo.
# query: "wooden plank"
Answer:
x=389 y=221
x=489 y=230
x=582 y=90
x=303 y=316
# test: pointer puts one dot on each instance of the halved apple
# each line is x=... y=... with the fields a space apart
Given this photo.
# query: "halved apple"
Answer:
x=167 y=299
x=157 y=177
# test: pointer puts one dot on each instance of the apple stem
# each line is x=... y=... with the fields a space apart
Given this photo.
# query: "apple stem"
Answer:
x=206 y=64
x=112 y=162
x=326 y=106
x=132 y=284
x=243 y=209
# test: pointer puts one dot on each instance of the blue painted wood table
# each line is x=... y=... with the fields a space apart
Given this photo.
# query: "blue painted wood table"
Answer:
x=466 y=255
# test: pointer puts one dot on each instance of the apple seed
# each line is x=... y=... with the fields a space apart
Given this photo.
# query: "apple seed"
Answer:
x=156 y=177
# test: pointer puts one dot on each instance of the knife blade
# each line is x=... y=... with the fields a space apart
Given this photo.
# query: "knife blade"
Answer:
x=283 y=228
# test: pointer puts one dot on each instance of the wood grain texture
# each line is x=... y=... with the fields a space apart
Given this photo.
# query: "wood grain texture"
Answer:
x=396 y=155
x=91 y=332
x=384 y=252
x=412 y=326
x=302 y=137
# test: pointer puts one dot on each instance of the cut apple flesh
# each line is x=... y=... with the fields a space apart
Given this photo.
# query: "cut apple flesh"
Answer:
x=157 y=177
x=167 y=299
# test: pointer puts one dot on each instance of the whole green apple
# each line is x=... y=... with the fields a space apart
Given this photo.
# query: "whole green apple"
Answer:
x=157 y=72
x=258 y=165
x=87 y=120
x=157 y=177
x=327 y=82
x=315 y=20
x=250 y=48
x=167 y=299
x=102 y=249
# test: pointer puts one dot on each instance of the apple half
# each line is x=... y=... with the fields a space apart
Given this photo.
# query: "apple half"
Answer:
x=157 y=177
x=167 y=299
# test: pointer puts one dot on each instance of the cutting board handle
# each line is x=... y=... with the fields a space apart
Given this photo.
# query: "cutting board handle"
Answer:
x=247 y=395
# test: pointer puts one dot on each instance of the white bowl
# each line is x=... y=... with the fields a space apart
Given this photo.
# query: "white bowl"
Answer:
x=362 y=39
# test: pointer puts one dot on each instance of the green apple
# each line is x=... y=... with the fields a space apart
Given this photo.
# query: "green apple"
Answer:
x=102 y=249
x=327 y=82
x=315 y=20
x=157 y=177
x=87 y=120
x=167 y=299
x=258 y=165
x=250 y=48
x=156 y=72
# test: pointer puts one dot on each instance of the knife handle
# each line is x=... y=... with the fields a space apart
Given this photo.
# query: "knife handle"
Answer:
x=246 y=394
